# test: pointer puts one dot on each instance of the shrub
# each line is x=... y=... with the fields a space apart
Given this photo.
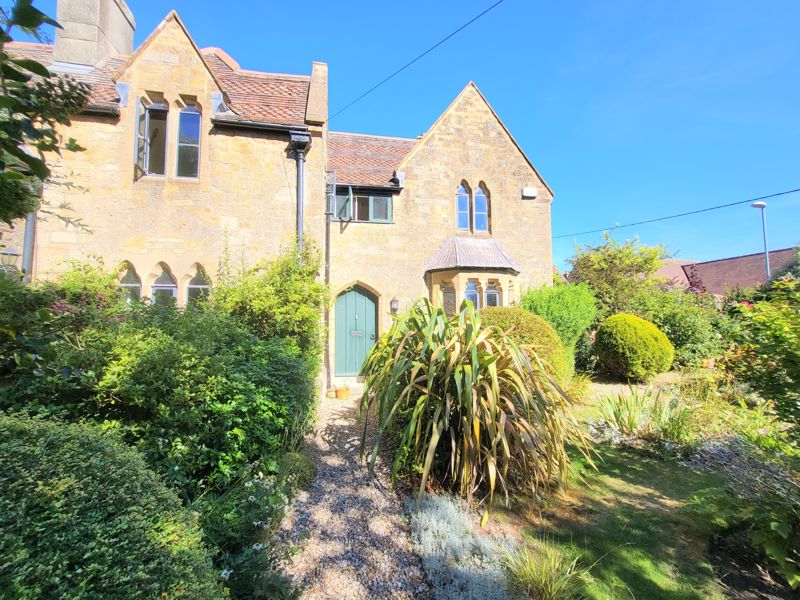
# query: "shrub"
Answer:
x=767 y=352
x=526 y=328
x=281 y=298
x=503 y=423
x=195 y=391
x=630 y=348
x=648 y=415
x=686 y=319
x=81 y=517
x=544 y=574
x=569 y=308
x=460 y=563
x=626 y=412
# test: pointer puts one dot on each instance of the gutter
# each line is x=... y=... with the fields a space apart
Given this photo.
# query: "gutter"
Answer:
x=258 y=125
x=100 y=109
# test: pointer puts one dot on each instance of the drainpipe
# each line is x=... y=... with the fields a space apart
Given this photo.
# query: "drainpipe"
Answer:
x=331 y=203
x=27 y=247
x=300 y=142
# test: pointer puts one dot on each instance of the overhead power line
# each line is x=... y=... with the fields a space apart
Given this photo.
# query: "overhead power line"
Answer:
x=415 y=59
x=684 y=214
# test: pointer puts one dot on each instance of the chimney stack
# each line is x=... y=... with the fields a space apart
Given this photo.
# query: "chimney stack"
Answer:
x=93 y=31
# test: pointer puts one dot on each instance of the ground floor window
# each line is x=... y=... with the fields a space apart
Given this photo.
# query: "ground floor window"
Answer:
x=472 y=294
x=492 y=295
x=131 y=285
x=164 y=290
x=197 y=288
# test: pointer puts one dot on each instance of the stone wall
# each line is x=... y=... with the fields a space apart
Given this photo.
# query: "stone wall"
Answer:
x=245 y=193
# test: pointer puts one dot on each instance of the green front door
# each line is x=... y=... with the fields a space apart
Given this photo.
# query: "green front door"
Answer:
x=355 y=330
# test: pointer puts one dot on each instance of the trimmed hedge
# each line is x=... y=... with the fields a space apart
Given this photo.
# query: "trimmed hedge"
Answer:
x=630 y=348
x=81 y=516
x=524 y=327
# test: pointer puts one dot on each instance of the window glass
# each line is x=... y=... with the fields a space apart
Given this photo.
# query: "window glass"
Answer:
x=342 y=212
x=189 y=142
x=492 y=295
x=361 y=208
x=471 y=293
x=380 y=208
x=481 y=210
x=156 y=141
x=197 y=288
x=462 y=207
x=163 y=296
x=131 y=286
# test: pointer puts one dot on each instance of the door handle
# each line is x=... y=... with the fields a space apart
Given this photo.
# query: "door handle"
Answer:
x=372 y=336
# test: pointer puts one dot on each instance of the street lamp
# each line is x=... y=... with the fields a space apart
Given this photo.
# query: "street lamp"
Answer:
x=762 y=207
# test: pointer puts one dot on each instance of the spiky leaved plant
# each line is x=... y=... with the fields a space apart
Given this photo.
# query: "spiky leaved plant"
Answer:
x=481 y=411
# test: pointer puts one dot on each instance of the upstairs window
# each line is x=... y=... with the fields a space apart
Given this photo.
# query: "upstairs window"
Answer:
x=189 y=142
x=197 y=288
x=131 y=285
x=481 y=215
x=151 y=138
x=164 y=291
x=362 y=208
x=463 y=208
x=472 y=294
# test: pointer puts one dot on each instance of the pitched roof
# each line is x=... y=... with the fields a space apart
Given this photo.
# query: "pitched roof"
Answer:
x=253 y=95
x=719 y=276
x=100 y=78
x=367 y=160
x=672 y=271
x=471 y=253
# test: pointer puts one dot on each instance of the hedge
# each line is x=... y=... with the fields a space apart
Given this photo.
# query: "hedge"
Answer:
x=82 y=517
x=630 y=348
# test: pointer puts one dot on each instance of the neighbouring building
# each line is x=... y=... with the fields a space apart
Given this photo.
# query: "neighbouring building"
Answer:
x=188 y=154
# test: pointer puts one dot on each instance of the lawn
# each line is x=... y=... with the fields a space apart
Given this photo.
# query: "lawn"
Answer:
x=628 y=521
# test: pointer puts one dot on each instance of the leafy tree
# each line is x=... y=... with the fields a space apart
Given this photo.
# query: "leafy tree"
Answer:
x=616 y=271
x=33 y=104
x=570 y=309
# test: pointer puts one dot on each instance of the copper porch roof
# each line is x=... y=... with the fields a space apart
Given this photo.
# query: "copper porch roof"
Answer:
x=254 y=96
x=365 y=160
x=471 y=253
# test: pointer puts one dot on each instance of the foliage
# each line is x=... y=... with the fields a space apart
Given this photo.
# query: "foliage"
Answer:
x=460 y=563
x=767 y=352
x=528 y=329
x=626 y=412
x=761 y=495
x=281 y=298
x=26 y=327
x=195 y=391
x=578 y=387
x=585 y=358
x=237 y=521
x=616 y=272
x=81 y=516
x=569 y=308
x=793 y=268
x=34 y=104
x=687 y=319
x=544 y=574
x=631 y=348
x=503 y=422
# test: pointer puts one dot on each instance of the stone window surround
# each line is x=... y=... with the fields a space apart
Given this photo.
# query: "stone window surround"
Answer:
x=182 y=283
x=471 y=208
x=458 y=279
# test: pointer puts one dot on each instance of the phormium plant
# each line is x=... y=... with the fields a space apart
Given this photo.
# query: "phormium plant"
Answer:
x=482 y=412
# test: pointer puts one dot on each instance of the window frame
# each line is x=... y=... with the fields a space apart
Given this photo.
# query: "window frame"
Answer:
x=463 y=191
x=485 y=194
x=474 y=291
x=160 y=288
x=350 y=200
x=134 y=285
x=493 y=290
x=190 y=109
x=206 y=287
x=142 y=141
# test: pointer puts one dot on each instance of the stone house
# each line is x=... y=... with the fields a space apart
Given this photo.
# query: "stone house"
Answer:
x=190 y=157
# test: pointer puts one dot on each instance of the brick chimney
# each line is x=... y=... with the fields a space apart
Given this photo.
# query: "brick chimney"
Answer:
x=93 y=31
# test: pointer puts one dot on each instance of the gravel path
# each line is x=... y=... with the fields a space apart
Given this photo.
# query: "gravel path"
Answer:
x=350 y=526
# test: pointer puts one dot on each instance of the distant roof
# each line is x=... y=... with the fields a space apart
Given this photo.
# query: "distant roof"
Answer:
x=254 y=95
x=365 y=160
x=471 y=253
x=719 y=276
x=672 y=270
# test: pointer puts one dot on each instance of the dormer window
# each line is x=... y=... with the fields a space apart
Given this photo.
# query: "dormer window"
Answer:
x=362 y=208
x=189 y=142
x=151 y=138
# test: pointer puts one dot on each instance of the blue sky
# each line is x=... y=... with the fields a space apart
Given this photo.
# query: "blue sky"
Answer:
x=629 y=109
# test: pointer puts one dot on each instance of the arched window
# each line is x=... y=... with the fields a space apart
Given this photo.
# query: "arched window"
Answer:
x=164 y=290
x=491 y=295
x=472 y=294
x=481 y=210
x=131 y=284
x=189 y=142
x=198 y=287
x=463 y=208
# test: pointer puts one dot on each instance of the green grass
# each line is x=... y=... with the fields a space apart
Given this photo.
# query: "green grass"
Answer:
x=628 y=522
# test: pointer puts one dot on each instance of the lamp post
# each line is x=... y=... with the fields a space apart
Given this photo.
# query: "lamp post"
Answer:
x=8 y=261
x=762 y=207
